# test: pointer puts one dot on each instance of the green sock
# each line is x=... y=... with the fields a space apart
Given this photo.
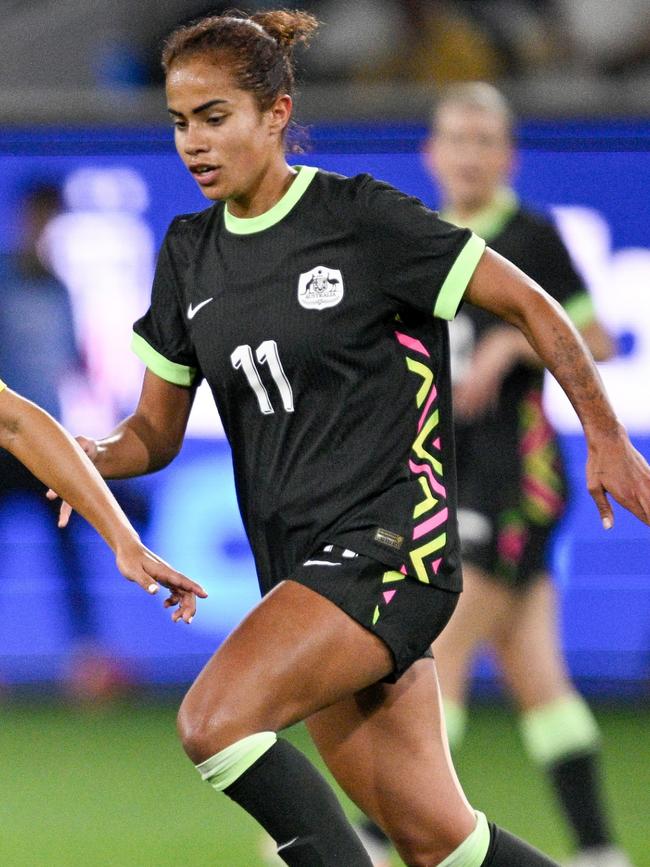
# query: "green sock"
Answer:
x=559 y=729
x=473 y=849
x=228 y=765
x=455 y=722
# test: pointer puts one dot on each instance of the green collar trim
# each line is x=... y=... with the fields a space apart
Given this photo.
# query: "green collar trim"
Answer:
x=249 y=225
x=489 y=221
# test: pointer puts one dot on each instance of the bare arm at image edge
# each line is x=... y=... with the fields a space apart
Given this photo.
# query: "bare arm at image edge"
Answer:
x=44 y=447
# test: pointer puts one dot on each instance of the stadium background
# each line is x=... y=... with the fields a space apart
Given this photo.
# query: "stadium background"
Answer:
x=103 y=782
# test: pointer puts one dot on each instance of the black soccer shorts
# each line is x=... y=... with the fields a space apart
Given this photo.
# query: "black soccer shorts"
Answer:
x=404 y=612
x=509 y=548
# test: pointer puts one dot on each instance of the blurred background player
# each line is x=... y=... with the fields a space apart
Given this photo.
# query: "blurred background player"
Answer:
x=38 y=353
x=34 y=438
x=510 y=478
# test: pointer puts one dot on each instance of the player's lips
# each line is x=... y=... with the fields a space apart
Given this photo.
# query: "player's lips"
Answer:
x=205 y=174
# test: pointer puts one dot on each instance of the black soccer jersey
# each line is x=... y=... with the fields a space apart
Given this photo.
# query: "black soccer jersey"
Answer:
x=509 y=458
x=532 y=243
x=320 y=328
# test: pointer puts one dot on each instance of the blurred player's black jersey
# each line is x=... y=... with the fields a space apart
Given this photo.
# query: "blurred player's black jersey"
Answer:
x=510 y=472
x=320 y=328
x=533 y=244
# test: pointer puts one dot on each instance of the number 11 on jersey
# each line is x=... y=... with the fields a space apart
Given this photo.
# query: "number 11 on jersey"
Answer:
x=266 y=353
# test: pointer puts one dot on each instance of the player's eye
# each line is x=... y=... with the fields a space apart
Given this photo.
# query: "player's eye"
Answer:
x=179 y=124
x=216 y=119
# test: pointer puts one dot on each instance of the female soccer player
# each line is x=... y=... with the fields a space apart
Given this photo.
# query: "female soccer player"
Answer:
x=511 y=488
x=305 y=299
x=39 y=442
x=505 y=548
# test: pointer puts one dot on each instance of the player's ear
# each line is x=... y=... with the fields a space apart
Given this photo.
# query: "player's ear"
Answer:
x=280 y=114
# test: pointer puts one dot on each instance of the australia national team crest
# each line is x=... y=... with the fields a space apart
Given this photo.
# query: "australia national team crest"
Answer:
x=320 y=288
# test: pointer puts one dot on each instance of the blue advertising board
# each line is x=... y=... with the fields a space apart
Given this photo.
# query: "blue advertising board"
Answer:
x=121 y=188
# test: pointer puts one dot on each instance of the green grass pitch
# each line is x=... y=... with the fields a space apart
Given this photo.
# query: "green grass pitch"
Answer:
x=113 y=789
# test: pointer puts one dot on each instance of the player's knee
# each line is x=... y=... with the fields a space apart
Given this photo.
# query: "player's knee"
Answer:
x=205 y=729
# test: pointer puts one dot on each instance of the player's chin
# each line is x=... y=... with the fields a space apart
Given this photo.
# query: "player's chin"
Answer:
x=211 y=184
x=213 y=192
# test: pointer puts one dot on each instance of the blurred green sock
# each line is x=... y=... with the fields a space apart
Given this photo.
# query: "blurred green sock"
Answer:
x=455 y=721
x=559 y=729
x=563 y=737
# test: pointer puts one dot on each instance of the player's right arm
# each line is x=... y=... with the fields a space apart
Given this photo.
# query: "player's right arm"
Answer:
x=149 y=439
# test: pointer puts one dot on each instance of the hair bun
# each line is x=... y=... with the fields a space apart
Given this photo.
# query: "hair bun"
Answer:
x=287 y=28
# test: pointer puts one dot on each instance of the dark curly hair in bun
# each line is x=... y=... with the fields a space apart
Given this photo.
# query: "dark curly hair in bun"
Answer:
x=257 y=48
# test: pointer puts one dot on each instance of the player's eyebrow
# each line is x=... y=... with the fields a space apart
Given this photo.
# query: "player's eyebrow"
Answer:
x=203 y=107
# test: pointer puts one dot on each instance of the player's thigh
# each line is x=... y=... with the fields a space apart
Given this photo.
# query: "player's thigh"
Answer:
x=530 y=651
x=386 y=748
x=293 y=654
x=482 y=611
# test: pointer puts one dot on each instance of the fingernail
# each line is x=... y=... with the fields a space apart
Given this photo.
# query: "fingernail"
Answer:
x=190 y=620
x=152 y=588
x=607 y=523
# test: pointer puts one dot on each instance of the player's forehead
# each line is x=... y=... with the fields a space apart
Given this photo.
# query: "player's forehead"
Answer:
x=198 y=81
x=470 y=119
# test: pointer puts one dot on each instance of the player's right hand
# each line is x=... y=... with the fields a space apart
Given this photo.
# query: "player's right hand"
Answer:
x=90 y=448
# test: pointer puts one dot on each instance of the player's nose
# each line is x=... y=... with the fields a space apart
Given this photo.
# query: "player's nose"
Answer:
x=195 y=141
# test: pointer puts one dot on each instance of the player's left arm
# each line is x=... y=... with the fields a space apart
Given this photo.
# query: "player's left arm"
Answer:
x=500 y=351
x=613 y=465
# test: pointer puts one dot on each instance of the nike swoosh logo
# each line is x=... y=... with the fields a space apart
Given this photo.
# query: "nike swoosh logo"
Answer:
x=192 y=311
x=286 y=845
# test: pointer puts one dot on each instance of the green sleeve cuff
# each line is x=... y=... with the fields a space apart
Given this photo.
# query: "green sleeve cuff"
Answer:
x=454 y=287
x=178 y=374
x=2 y=385
x=580 y=309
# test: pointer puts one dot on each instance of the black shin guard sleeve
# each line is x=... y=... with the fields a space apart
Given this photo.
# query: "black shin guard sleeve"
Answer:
x=290 y=799
x=576 y=781
x=506 y=850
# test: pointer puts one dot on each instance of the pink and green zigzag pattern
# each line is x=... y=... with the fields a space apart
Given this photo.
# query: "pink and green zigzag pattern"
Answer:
x=430 y=514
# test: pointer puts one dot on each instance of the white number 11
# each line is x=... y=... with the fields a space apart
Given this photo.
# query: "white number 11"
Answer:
x=266 y=353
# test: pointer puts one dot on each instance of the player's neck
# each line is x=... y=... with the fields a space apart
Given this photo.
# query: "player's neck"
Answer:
x=486 y=218
x=266 y=192
x=466 y=210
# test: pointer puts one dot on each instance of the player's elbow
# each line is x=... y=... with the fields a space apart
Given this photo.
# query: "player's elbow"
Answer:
x=533 y=306
x=163 y=454
x=161 y=445
x=149 y=436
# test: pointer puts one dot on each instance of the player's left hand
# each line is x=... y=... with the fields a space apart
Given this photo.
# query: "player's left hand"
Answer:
x=140 y=565
x=475 y=395
x=492 y=360
x=615 y=467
